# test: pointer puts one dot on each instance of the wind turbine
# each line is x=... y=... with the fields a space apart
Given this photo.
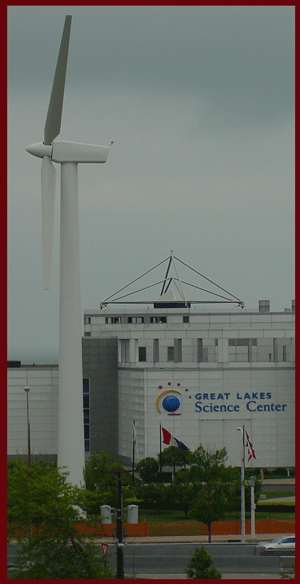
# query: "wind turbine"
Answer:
x=68 y=155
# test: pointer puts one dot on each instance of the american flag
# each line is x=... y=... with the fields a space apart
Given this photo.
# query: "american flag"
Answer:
x=251 y=453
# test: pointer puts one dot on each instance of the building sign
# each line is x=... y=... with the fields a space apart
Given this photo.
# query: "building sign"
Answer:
x=169 y=399
x=226 y=402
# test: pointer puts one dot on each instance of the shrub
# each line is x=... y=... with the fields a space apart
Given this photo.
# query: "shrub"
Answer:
x=199 y=567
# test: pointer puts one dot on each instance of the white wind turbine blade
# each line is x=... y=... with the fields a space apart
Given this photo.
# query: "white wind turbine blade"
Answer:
x=53 y=120
x=48 y=202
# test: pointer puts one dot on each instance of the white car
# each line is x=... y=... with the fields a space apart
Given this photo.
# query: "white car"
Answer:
x=282 y=545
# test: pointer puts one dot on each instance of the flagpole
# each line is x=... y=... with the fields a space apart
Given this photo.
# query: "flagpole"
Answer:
x=133 y=440
x=242 y=430
x=243 y=489
x=160 y=449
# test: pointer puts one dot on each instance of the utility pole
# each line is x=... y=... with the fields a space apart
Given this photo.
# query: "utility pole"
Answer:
x=243 y=539
x=252 y=486
x=133 y=448
x=27 y=389
x=133 y=464
x=160 y=466
x=119 y=526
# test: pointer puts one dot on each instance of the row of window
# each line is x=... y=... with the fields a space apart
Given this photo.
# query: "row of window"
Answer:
x=207 y=354
x=135 y=319
x=174 y=353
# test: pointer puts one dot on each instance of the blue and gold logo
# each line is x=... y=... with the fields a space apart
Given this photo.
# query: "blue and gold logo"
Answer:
x=169 y=400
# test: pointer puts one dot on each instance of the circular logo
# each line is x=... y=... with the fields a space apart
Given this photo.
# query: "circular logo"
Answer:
x=171 y=403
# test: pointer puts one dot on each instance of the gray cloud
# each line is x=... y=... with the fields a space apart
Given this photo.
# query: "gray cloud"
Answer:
x=200 y=104
x=237 y=58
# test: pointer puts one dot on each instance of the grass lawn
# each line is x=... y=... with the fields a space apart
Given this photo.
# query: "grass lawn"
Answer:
x=277 y=494
x=174 y=522
x=170 y=516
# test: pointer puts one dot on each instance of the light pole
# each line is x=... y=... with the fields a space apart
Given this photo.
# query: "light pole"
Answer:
x=242 y=486
x=119 y=526
x=27 y=390
x=252 y=485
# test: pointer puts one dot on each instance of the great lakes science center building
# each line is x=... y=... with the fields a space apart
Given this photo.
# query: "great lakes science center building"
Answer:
x=198 y=370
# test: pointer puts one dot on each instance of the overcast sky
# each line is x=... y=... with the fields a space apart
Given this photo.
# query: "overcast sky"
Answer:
x=199 y=102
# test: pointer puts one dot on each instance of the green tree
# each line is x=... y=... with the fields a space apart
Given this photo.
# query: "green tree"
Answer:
x=154 y=495
x=214 y=483
x=199 y=567
x=174 y=456
x=148 y=469
x=43 y=515
x=100 y=480
x=99 y=470
x=182 y=490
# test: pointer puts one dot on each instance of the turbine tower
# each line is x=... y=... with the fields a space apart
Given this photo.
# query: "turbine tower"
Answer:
x=68 y=155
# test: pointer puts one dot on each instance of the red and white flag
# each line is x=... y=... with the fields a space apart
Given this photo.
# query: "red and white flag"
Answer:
x=169 y=439
x=251 y=453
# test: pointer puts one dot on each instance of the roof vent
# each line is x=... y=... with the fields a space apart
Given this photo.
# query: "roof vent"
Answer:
x=13 y=364
x=264 y=305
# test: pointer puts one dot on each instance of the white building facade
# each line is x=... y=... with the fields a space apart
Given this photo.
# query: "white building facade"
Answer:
x=43 y=403
x=198 y=373
x=201 y=374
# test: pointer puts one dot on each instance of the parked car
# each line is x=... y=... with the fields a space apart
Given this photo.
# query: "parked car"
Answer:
x=282 y=545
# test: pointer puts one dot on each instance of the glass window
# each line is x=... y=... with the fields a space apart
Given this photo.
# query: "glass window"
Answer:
x=142 y=354
x=86 y=413
x=136 y=319
x=113 y=319
x=240 y=342
x=125 y=350
x=199 y=350
x=186 y=319
x=86 y=385
x=159 y=319
x=177 y=350
x=156 y=350
x=170 y=353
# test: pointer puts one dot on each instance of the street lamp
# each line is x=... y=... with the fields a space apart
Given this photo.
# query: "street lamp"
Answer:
x=252 y=485
x=27 y=390
x=242 y=486
x=119 y=527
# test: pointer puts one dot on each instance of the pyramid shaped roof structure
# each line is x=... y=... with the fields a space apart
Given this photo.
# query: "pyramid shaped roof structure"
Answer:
x=173 y=289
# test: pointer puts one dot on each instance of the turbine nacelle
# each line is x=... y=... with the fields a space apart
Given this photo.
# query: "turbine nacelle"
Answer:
x=61 y=152
x=40 y=150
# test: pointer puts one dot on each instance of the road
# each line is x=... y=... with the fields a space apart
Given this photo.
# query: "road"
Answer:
x=147 y=560
x=173 y=558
